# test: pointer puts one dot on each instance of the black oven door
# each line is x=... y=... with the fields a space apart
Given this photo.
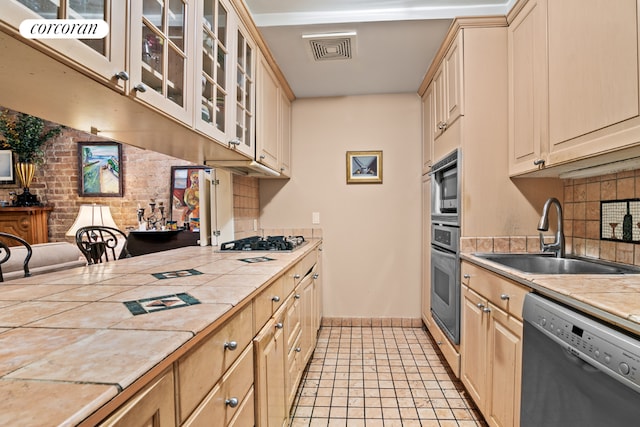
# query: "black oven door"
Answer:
x=445 y=292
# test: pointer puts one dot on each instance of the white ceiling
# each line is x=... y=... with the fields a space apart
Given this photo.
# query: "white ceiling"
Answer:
x=395 y=43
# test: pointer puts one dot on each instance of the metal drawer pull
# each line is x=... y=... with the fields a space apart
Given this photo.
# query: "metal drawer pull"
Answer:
x=480 y=305
x=296 y=276
x=298 y=349
x=278 y=325
x=275 y=299
x=232 y=345
x=297 y=296
x=315 y=276
x=486 y=310
x=232 y=403
x=504 y=297
x=467 y=276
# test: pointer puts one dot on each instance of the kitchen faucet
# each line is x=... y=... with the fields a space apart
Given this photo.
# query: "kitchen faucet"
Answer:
x=558 y=245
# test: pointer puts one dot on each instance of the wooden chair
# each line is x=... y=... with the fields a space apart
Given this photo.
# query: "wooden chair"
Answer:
x=6 y=249
x=99 y=243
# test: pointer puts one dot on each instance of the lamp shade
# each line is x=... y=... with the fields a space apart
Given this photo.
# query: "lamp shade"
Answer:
x=92 y=215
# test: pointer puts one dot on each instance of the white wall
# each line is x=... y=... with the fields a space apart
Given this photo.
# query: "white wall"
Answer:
x=371 y=251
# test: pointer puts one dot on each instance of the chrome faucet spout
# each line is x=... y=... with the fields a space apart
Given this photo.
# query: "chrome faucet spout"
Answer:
x=558 y=246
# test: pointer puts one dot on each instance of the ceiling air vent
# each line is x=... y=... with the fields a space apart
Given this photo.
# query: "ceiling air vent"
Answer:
x=331 y=45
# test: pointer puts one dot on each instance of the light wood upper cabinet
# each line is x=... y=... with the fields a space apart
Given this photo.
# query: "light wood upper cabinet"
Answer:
x=285 y=135
x=101 y=58
x=245 y=92
x=593 y=75
x=528 y=138
x=268 y=120
x=162 y=56
x=449 y=88
x=428 y=125
x=573 y=84
x=213 y=114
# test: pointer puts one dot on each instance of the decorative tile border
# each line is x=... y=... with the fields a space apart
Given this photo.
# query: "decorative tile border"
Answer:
x=165 y=302
x=177 y=273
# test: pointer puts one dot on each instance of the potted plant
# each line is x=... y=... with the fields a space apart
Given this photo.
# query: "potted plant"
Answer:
x=26 y=136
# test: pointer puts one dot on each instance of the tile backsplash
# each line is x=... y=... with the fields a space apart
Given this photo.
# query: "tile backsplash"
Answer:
x=582 y=222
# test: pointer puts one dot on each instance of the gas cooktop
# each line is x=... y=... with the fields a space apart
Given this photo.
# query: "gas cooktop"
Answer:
x=258 y=243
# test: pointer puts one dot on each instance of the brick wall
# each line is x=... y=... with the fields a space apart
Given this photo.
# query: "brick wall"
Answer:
x=146 y=175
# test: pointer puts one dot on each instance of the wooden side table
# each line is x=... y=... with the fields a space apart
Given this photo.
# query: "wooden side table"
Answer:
x=29 y=222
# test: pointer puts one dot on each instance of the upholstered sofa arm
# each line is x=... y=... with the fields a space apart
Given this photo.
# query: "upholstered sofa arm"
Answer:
x=46 y=257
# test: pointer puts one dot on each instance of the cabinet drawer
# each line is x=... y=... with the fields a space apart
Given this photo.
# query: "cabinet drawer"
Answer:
x=267 y=302
x=449 y=351
x=501 y=292
x=294 y=370
x=227 y=398
x=153 y=406
x=203 y=366
x=245 y=414
x=295 y=274
x=293 y=318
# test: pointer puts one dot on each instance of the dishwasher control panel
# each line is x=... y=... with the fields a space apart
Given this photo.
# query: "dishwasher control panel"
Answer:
x=593 y=341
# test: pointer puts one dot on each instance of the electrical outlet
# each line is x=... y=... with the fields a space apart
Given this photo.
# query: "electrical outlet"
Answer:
x=315 y=218
x=255 y=225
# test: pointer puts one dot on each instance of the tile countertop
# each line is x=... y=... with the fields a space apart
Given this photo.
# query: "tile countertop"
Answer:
x=69 y=341
x=614 y=298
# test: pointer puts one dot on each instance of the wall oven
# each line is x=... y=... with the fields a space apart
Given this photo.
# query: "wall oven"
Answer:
x=445 y=279
x=445 y=190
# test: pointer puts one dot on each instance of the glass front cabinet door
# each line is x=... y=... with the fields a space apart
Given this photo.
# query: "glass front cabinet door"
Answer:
x=212 y=113
x=103 y=59
x=161 y=55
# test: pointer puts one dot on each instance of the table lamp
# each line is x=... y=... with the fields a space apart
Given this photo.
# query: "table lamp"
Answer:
x=92 y=215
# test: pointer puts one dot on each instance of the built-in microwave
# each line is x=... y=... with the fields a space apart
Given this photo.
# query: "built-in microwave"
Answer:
x=445 y=189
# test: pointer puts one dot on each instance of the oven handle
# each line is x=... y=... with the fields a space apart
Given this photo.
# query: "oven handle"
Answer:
x=443 y=251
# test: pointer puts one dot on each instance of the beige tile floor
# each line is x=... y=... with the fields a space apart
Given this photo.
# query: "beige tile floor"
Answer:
x=380 y=377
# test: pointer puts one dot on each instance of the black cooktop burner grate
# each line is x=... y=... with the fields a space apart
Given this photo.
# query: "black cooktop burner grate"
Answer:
x=258 y=243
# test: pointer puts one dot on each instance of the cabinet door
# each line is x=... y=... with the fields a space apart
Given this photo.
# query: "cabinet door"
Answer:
x=439 y=94
x=527 y=57
x=308 y=299
x=267 y=112
x=285 y=135
x=428 y=119
x=212 y=69
x=270 y=353
x=505 y=354
x=162 y=56
x=454 y=69
x=593 y=73
x=426 y=251
x=245 y=104
x=153 y=406
x=473 y=346
x=101 y=58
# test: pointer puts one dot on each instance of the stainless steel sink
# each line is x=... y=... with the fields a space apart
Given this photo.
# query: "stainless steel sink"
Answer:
x=545 y=264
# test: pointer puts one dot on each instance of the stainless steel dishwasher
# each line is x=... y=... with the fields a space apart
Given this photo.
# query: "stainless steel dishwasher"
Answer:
x=576 y=371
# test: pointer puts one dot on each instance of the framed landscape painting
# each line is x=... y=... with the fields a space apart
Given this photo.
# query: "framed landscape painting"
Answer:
x=100 y=169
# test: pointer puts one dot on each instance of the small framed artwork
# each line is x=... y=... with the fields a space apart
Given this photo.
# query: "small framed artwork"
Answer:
x=364 y=167
x=6 y=167
x=185 y=194
x=100 y=169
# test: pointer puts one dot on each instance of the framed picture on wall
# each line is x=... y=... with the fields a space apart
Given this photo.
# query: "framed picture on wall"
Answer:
x=184 y=203
x=6 y=167
x=100 y=169
x=364 y=167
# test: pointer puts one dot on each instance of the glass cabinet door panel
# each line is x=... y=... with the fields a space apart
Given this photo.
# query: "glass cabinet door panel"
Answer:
x=244 y=89
x=152 y=59
x=176 y=23
x=214 y=60
x=90 y=9
x=46 y=8
x=175 y=85
x=153 y=11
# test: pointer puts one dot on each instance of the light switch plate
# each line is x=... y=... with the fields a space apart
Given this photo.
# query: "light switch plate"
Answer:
x=315 y=218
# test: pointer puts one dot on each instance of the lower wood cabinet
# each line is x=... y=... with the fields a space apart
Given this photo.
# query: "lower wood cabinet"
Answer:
x=30 y=223
x=491 y=344
x=226 y=402
x=245 y=372
x=153 y=406
x=270 y=346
